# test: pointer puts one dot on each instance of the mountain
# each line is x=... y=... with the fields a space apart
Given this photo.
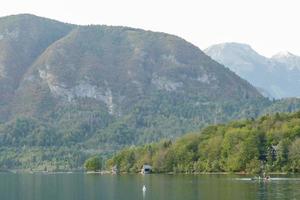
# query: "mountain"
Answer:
x=286 y=58
x=145 y=84
x=22 y=39
x=277 y=77
x=69 y=91
x=121 y=67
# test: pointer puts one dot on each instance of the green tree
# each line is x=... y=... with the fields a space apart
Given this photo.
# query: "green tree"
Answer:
x=282 y=154
x=294 y=155
x=93 y=164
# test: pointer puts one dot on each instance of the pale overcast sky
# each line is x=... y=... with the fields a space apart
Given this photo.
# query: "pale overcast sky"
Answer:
x=269 y=26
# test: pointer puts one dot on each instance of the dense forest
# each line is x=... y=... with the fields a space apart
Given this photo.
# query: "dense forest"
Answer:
x=27 y=143
x=271 y=143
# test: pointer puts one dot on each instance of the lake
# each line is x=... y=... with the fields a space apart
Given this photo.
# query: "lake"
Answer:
x=78 y=186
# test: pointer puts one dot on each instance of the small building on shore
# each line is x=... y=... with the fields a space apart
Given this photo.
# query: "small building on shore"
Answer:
x=146 y=169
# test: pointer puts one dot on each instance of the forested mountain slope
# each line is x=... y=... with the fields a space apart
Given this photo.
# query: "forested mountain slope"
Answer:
x=87 y=89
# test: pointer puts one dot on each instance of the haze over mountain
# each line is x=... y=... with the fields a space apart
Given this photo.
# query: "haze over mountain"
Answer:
x=276 y=77
x=68 y=90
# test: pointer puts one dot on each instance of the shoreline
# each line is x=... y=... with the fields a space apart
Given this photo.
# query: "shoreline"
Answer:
x=105 y=172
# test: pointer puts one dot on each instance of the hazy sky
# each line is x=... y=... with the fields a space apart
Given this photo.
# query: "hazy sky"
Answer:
x=269 y=26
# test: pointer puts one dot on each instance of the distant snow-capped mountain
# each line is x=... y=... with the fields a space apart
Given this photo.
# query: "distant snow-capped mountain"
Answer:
x=290 y=60
x=278 y=76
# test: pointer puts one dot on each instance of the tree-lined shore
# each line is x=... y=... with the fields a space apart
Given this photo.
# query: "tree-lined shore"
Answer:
x=270 y=143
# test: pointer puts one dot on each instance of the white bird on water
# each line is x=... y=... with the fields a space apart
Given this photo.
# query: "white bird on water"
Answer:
x=144 y=188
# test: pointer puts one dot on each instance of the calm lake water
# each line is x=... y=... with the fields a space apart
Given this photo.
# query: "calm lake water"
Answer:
x=78 y=186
